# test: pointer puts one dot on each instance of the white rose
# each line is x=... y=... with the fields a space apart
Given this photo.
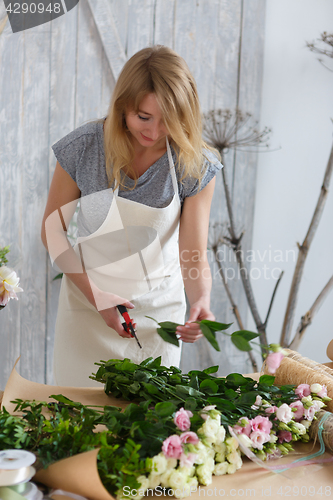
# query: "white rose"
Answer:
x=232 y=444
x=284 y=413
x=159 y=464
x=165 y=478
x=204 y=474
x=209 y=430
x=315 y=388
x=221 y=469
x=231 y=469
x=201 y=452
x=210 y=463
x=220 y=447
x=187 y=471
x=190 y=487
x=245 y=440
x=172 y=463
x=235 y=458
x=220 y=436
x=220 y=457
x=177 y=480
x=210 y=452
x=192 y=483
x=154 y=480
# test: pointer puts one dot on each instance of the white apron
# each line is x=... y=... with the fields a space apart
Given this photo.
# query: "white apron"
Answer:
x=134 y=254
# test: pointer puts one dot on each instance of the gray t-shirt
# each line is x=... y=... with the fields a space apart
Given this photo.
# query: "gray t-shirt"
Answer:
x=81 y=155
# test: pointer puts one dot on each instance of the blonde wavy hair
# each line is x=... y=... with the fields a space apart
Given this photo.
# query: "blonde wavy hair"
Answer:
x=161 y=71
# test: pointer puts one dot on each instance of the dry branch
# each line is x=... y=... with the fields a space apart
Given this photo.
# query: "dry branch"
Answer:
x=306 y=320
x=302 y=254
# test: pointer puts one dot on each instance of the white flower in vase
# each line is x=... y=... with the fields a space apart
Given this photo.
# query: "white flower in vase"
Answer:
x=8 y=285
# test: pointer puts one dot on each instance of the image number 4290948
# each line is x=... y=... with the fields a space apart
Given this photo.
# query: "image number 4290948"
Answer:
x=24 y=15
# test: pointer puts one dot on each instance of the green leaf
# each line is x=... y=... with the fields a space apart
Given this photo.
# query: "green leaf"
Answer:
x=222 y=404
x=209 y=386
x=241 y=343
x=169 y=337
x=183 y=391
x=267 y=380
x=190 y=404
x=247 y=398
x=126 y=366
x=152 y=389
x=210 y=336
x=214 y=325
x=165 y=409
x=211 y=369
x=247 y=334
x=237 y=379
x=169 y=326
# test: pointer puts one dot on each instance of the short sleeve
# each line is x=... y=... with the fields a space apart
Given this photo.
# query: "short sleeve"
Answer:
x=211 y=166
x=68 y=152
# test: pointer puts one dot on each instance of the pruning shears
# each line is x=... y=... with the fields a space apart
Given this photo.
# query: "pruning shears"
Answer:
x=127 y=325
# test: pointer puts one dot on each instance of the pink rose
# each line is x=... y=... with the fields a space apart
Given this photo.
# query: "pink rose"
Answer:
x=270 y=409
x=303 y=390
x=284 y=413
x=187 y=460
x=172 y=447
x=323 y=392
x=284 y=436
x=189 y=438
x=258 y=439
x=182 y=419
x=298 y=414
x=261 y=424
x=273 y=361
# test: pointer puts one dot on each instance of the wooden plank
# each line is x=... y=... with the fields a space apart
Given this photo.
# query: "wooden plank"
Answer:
x=140 y=25
x=164 y=23
x=108 y=32
x=11 y=62
x=184 y=38
x=62 y=121
x=34 y=122
x=119 y=11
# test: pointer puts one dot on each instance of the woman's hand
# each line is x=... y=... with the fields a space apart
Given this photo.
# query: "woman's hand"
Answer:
x=190 y=332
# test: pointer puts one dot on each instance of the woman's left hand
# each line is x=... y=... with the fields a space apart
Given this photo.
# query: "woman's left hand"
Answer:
x=190 y=332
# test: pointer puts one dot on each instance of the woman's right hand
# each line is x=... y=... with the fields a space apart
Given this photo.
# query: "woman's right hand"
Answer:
x=106 y=304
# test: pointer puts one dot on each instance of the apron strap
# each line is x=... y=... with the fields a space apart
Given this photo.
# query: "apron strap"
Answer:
x=172 y=169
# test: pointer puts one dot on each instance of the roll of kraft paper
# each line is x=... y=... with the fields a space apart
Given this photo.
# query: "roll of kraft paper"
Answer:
x=15 y=467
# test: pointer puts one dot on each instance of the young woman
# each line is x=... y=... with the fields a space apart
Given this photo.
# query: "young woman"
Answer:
x=145 y=180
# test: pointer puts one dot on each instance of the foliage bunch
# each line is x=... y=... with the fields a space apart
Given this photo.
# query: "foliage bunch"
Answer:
x=3 y=253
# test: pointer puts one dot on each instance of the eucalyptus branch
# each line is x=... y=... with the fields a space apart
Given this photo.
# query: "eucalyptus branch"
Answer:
x=235 y=309
x=302 y=254
x=306 y=320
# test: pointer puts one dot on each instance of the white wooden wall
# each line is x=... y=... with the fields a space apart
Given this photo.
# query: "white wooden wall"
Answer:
x=59 y=75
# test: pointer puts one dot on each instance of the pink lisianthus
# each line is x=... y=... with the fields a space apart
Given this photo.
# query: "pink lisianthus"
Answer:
x=277 y=453
x=309 y=413
x=261 y=424
x=243 y=429
x=323 y=392
x=206 y=409
x=284 y=436
x=189 y=438
x=303 y=390
x=172 y=447
x=270 y=409
x=298 y=414
x=258 y=439
x=187 y=460
x=273 y=361
x=182 y=419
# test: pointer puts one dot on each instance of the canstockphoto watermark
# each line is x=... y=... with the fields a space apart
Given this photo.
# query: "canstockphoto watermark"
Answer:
x=187 y=491
x=24 y=15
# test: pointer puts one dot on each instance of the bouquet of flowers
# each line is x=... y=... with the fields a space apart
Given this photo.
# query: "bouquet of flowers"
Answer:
x=9 y=282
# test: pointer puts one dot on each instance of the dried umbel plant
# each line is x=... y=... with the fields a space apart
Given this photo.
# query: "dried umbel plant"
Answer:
x=323 y=46
x=225 y=129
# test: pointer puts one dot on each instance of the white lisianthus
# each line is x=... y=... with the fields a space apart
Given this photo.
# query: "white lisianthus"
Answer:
x=284 y=413
x=235 y=458
x=171 y=463
x=319 y=404
x=298 y=428
x=190 y=487
x=273 y=438
x=220 y=447
x=201 y=452
x=306 y=423
x=307 y=401
x=209 y=430
x=144 y=485
x=9 y=285
x=315 y=388
x=187 y=471
x=192 y=484
x=231 y=469
x=221 y=469
x=159 y=463
x=210 y=452
x=210 y=463
x=165 y=478
x=220 y=457
x=154 y=480
x=245 y=440
x=177 y=479
x=220 y=435
x=204 y=474
x=232 y=444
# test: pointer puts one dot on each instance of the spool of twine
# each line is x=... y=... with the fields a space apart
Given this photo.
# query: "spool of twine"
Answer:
x=295 y=369
x=327 y=426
